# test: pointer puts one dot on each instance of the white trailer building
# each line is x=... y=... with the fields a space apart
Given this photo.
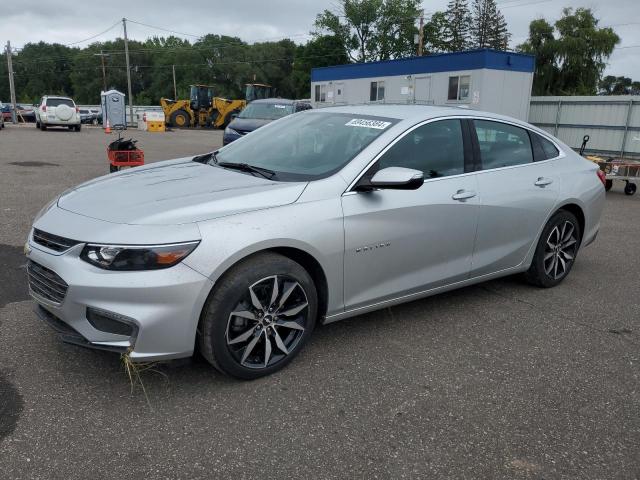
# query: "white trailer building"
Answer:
x=484 y=79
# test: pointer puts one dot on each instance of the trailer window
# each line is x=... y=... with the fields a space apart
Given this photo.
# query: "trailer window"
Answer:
x=459 y=87
x=377 y=92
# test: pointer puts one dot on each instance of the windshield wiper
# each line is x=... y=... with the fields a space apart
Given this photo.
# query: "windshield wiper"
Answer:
x=245 y=167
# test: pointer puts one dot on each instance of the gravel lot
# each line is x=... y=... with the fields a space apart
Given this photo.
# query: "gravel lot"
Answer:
x=494 y=381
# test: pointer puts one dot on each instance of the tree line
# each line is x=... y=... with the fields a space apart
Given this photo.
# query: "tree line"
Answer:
x=571 y=54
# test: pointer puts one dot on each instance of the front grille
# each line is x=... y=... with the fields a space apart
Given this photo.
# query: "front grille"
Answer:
x=46 y=284
x=53 y=242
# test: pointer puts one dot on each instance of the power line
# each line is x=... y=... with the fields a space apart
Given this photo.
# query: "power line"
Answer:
x=93 y=36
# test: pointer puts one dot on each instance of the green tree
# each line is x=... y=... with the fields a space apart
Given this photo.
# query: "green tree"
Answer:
x=372 y=29
x=611 y=85
x=571 y=63
x=458 y=26
x=435 y=33
x=488 y=27
x=322 y=51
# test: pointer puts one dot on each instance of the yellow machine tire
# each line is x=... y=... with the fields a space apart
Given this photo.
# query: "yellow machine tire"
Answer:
x=180 y=119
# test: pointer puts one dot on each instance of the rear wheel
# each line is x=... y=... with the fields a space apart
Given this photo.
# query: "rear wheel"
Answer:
x=258 y=317
x=113 y=168
x=608 y=184
x=630 y=188
x=556 y=251
x=78 y=128
x=43 y=127
x=180 y=119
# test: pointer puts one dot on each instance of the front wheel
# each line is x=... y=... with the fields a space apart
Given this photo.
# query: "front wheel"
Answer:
x=556 y=251
x=259 y=316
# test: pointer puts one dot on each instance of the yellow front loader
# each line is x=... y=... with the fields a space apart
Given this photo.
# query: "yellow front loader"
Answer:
x=205 y=110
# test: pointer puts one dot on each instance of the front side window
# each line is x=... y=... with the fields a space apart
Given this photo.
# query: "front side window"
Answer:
x=307 y=146
x=376 y=93
x=459 y=87
x=502 y=145
x=436 y=149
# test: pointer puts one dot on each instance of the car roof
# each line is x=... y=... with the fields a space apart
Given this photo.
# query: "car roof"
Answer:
x=415 y=113
x=58 y=96
x=280 y=101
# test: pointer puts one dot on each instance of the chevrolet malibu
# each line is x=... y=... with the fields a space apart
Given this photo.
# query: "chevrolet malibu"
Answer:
x=322 y=215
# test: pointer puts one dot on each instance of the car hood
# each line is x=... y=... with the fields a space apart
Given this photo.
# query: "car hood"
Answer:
x=176 y=192
x=248 y=124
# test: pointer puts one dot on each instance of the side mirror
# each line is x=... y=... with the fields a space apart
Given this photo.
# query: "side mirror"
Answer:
x=394 y=178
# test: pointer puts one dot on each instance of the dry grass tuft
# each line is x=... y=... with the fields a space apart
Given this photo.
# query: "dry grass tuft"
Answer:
x=135 y=370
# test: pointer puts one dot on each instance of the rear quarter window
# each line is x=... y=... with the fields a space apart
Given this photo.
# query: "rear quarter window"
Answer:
x=543 y=149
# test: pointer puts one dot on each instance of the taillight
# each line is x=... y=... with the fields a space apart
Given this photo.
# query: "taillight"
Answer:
x=77 y=110
x=44 y=108
x=602 y=176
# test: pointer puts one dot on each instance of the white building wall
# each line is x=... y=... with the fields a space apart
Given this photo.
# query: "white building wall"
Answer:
x=498 y=91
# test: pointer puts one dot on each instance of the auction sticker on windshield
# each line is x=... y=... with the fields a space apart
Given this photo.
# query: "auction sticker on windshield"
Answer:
x=363 y=122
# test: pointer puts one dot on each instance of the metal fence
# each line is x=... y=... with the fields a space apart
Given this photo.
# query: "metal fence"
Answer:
x=612 y=122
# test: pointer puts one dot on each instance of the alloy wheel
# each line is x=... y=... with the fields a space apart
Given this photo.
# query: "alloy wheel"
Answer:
x=268 y=322
x=560 y=250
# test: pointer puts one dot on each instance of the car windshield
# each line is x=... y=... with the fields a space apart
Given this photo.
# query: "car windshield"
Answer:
x=266 y=111
x=306 y=146
x=54 y=102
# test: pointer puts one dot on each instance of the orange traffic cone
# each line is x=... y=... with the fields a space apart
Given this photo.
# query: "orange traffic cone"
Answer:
x=108 y=129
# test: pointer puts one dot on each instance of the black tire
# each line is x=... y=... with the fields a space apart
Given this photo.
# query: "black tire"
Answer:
x=230 y=117
x=538 y=273
x=37 y=124
x=43 y=127
x=232 y=294
x=71 y=128
x=608 y=184
x=180 y=119
x=113 y=168
x=78 y=128
x=630 y=188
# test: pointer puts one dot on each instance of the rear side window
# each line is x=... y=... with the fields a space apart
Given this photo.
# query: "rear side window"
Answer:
x=54 y=102
x=435 y=148
x=502 y=145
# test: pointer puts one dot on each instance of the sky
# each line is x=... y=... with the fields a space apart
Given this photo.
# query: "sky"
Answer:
x=70 y=21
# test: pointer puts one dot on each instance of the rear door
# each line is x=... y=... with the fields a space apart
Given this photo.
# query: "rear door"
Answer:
x=400 y=242
x=516 y=195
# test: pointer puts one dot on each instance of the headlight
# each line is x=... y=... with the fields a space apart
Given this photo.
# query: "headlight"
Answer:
x=230 y=131
x=147 y=257
x=45 y=209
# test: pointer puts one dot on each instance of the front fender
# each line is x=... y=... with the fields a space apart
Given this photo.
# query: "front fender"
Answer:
x=315 y=228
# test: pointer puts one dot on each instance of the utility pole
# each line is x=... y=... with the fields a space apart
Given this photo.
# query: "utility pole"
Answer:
x=126 y=54
x=12 y=87
x=104 y=72
x=175 y=90
x=421 y=33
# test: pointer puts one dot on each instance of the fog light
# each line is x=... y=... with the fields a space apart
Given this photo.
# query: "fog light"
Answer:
x=111 y=322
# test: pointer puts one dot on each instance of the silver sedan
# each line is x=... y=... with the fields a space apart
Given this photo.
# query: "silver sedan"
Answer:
x=317 y=217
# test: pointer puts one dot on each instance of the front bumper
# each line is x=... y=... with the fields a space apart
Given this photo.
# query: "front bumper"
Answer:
x=163 y=305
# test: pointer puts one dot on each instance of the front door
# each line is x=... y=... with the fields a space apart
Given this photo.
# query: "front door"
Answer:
x=422 y=90
x=402 y=242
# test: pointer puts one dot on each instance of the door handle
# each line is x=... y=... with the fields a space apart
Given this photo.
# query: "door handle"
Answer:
x=542 y=182
x=463 y=195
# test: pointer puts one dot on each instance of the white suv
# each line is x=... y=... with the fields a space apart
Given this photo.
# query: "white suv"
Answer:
x=57 y=112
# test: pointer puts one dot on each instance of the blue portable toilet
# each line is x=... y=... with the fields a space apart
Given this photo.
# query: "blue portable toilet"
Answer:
x=113 y=108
